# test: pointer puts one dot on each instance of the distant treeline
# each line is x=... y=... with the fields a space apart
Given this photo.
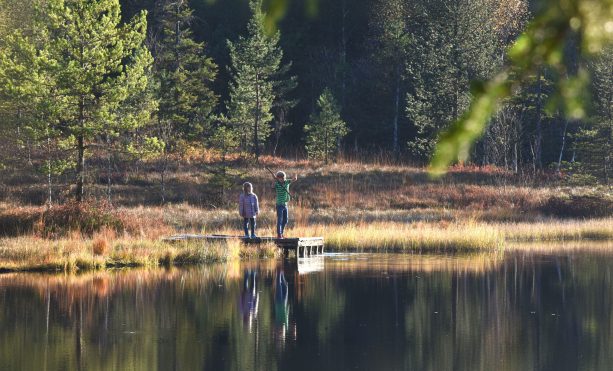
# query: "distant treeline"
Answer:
x=141 y=79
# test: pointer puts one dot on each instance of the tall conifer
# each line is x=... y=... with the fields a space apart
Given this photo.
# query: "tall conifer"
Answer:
x=92 y=68
x=256 y=70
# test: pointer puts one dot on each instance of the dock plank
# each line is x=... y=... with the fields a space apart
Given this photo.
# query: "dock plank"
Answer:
x=304 y=246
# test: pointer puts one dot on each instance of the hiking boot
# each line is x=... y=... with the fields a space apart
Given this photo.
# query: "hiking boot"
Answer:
x=279 y=236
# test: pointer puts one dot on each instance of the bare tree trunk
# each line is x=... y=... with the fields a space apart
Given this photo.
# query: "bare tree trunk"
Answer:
x=396 y=111
x=515 y=158
x=343 y=51
x=108 y=168
x=279 y=125
x=256 y=141
x=79 y=193
x=163 y=175
x=562 y=146
x=49 y=199
x=539 y=131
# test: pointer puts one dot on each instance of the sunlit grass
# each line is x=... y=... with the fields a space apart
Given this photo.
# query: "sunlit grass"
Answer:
x=559 y=230
x=405 y=237
x=30 y=253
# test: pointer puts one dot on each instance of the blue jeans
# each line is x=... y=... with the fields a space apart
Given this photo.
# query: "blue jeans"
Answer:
x=282 y=216
x=249 y=222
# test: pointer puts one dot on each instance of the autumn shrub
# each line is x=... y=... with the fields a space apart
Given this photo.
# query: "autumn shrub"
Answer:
x=100 y=246
x=85 y=217
x=16 y=220
x=578 y=206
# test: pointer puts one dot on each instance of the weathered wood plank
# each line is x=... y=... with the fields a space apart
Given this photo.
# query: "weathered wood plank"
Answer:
x=303 y=245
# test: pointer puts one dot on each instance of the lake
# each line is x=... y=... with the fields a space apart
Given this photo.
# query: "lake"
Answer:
x=337 y=312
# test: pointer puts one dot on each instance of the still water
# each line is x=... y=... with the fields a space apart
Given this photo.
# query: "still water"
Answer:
x=338 y=312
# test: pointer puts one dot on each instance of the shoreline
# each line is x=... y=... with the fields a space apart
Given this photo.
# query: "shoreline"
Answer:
x=107 y=251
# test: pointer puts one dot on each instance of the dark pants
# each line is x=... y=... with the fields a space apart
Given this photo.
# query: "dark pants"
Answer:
x=282 y=216
x=249 y=222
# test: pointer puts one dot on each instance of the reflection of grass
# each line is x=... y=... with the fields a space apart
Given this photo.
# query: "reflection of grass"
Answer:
x=556 y=247
x=480 y=262
x=28 y=253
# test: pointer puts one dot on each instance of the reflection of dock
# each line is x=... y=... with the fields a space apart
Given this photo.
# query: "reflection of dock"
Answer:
x=310 y=265
x=303 y=246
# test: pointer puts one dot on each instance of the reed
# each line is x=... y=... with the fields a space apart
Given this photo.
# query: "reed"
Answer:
x=383 y=237
x=37 y=254
x=559 y=230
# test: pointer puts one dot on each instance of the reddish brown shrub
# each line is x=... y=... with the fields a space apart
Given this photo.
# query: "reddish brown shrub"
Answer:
x=84 y=217
x=585 y=206
x=100 y=246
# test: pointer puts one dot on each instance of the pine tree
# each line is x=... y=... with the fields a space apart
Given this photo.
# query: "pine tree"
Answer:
x=184 y=75
x=326 y=128
x=454 y=43
x=283 y=103
x=391 y=38
x=256 y=70
x=594 y=140
x=91 y=69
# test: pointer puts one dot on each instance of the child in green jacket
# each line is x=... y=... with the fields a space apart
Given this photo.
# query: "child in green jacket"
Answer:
x=281 y=187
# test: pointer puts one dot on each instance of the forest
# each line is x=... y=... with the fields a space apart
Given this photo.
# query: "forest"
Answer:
x=93 y=89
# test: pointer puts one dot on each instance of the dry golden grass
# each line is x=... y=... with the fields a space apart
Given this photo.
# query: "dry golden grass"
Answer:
x=559 y=230
x=356 y=205
x=31 y=253
x=406 y=237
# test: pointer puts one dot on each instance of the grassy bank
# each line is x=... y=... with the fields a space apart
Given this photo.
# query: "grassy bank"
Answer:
x=105 y=249
x=35 y=254
x=355 y=206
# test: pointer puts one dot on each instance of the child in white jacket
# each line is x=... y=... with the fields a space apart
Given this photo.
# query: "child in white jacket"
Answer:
x=249 y=208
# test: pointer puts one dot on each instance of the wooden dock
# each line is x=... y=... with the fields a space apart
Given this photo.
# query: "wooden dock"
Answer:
x=303 y=246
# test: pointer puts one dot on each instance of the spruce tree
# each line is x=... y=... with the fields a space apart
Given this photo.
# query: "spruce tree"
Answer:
x=390 y=26
x=455 y=43
x=326 y=128
x=594 y=140
x=256 y=70
x=184 y=75
x=92 y=69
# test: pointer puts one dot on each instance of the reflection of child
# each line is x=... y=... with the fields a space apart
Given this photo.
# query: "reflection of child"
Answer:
x=281 y=187
x=281 y=308
x=248 y=207
x=249 y=299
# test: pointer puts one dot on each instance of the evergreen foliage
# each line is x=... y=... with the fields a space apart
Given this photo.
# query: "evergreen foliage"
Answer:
x=392 y=37
x=184 y=76
x=82 y=71
x=256 y=70
x=455 y=42
x=594 y=140
x=326 y=128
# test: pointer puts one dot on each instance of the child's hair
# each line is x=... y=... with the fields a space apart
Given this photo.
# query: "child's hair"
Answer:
x=280 y=174
x=246 y=186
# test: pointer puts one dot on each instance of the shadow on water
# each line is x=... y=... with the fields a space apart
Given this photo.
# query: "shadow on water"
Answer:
x=334 y=312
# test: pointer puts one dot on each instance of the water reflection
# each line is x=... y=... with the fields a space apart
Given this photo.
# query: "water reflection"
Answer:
x=249 y=299
x=388 y=312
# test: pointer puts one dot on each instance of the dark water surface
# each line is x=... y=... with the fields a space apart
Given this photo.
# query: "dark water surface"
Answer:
x=340 y=312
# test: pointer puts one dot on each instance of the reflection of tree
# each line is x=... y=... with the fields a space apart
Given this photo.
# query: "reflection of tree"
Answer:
x=522 y=312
